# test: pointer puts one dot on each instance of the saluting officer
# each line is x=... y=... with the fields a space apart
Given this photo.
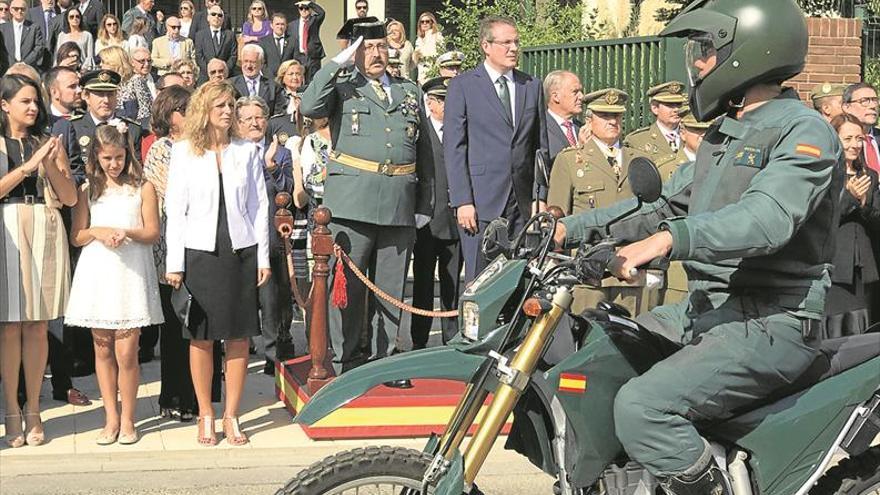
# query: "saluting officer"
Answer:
x=593 y=175
x=661 y=138
x=99 y=94
x=376 y=189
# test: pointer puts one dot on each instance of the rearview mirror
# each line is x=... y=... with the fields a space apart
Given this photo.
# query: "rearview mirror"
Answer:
x=644 y=179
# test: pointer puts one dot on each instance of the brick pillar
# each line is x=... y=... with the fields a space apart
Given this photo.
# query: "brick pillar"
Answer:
x=834 y=54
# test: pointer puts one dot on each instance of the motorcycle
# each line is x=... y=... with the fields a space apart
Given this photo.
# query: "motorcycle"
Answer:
x=558 y=373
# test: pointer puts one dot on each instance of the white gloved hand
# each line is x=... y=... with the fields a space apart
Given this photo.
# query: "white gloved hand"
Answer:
x=345 y=58
x=422 y=220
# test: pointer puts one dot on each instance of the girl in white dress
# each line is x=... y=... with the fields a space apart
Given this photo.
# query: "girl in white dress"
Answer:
x=115 y=290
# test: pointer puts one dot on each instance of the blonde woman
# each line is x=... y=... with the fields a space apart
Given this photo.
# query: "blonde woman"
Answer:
x=217 y=237
x=257 y=24
x=186 y=10
x=133 y=94
x=110 y=34
x=429 y=44
x=290 y=76
x=397 y=40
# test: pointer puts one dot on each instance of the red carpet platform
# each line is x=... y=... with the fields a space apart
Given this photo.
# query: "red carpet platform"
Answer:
x=382 y=413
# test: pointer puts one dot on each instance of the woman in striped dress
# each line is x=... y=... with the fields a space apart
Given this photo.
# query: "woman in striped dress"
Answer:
x=35 y=182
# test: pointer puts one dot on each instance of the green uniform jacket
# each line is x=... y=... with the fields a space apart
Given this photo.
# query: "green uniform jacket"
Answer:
x=581 y=179
x=651 y=143
x=753 y=213
x=362 y=126
x=676 y=277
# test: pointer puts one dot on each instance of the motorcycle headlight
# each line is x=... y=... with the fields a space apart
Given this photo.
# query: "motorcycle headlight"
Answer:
x=470 y=320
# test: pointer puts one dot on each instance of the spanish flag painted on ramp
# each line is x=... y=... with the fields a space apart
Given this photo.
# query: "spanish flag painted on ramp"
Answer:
x=572 y=383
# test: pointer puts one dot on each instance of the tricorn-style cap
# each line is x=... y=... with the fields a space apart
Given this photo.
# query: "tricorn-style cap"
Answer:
x=668 y=92
x=436 y=86
x=827 y=89
x=369 y=30
x=100 y=80
x=609 y=100
x=346 y=32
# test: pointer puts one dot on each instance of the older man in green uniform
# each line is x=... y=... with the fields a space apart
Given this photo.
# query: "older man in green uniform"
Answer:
x=827 y=99
x=750 y=219
x=593 y=175
x=661 y=138
x=375 y=188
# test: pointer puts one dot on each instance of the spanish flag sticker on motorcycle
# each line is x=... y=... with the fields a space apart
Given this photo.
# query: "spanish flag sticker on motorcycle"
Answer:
x=572 y=383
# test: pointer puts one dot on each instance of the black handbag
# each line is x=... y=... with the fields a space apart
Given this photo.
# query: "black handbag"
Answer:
x=181 y=301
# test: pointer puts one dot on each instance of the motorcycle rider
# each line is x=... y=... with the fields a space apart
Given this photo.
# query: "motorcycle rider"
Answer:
x=750 y=219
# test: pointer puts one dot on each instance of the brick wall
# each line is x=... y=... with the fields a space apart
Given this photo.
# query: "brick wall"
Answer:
x=833 y=55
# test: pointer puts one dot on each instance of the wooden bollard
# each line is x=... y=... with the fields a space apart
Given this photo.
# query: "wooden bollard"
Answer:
x=322 y=249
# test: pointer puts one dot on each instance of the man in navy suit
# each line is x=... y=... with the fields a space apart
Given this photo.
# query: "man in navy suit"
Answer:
x=501 y=111
x=565 y=98
x=277 y=47
x=22 y=40
x=305 y=34
x=41 y=16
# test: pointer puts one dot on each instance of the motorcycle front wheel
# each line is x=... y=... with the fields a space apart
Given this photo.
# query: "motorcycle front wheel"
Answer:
x=362 y=471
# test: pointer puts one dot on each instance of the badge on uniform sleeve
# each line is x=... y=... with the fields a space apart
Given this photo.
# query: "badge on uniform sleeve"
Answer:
x=808 y=149
x=749 y=156
x=573 y=383
x=84 y=141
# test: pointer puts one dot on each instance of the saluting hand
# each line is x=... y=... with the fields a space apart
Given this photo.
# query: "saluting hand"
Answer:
x=345 y=58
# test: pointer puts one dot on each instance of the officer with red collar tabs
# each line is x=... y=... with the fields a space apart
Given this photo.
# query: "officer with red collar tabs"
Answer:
x=99 y=94
x=750 y=219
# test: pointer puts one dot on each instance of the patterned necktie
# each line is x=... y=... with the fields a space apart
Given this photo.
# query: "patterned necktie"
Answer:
x=504 y=95
x=673 y=141
x=380 y=91
x=612 y=160
x=569 y=132
x=871 y=159
x=252 y=87
x=305 y=37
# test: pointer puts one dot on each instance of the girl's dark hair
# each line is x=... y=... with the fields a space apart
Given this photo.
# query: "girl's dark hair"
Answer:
x=10 y=85
x=837 y=123
x=66 y=21
x=167 y=101
x=132 y=174
x=66 y=48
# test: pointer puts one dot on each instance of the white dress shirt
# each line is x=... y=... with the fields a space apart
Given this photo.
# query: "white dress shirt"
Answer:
x=690 y=155
x=192 y=201
x=511 y=87
x=438 y=127
x=667 y=132
x=17 y=33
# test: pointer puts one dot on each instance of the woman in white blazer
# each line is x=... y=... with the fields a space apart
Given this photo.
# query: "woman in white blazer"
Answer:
x=217 y=236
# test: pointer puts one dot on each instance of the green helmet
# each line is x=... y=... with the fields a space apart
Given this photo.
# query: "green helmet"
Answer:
x=751 y=42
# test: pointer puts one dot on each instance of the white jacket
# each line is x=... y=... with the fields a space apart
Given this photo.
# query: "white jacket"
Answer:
x=192 y=201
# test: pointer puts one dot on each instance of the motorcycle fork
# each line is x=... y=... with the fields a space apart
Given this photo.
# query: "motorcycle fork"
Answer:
x=513 y=381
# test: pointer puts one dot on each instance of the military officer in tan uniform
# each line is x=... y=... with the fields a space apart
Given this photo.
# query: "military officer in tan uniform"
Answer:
x=692 y=132
x=827 y=99
x=661 y=138
x=593 y=175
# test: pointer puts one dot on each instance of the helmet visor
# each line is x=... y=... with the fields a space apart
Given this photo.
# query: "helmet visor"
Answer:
x=701 y=56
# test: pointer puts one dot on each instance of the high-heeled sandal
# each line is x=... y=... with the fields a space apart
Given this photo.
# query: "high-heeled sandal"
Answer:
x=34 y=438
x=13 y=440
x=232 y=432
x=204 y=423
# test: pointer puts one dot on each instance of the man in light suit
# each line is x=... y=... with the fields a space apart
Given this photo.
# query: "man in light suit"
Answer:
x=22 y=40
x=305 y=34
x=277 y=47
x=215 y=42
x=565 y=99
x=171 y=47
x=501 y=111
x=252 y=83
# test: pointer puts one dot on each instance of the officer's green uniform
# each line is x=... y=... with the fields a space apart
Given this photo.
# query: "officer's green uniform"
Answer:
x=650 y=140
x=374 y=188
x=760 y=200
x=585 y=177
x=676 y=287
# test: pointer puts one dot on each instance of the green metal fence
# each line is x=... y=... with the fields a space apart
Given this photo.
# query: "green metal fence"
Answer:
x=630 y=64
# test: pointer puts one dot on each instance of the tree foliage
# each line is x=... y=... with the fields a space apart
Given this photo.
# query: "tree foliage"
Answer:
x=540 y=22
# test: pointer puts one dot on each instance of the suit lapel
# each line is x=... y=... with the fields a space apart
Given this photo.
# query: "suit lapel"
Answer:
x=487 y=86
x=519 y=97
